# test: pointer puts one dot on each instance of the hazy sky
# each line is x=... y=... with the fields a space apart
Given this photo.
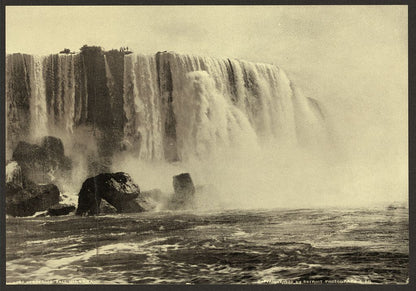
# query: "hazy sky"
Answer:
x=351 y=58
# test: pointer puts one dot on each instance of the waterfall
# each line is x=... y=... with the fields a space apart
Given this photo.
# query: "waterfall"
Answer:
x=18 y=92
x=60 y=92
x=38 y=114
x=142 y=107
x=254 y=102
x=66 y=92
x=165 y=106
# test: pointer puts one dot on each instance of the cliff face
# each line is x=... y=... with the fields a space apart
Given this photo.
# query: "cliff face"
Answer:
x=158 y=107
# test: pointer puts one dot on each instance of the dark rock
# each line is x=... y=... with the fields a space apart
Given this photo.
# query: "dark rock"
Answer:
x=42 y=164
x=183 y=185
x=60 y=209
x=183 y=197
x=118 y=189
x=14 y=173
x=32 y=159
x=53 y=146
x=12 y=189
x=28 y=201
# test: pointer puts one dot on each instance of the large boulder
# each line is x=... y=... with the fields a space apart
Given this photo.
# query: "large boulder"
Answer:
x=184 y=188
x=44 y=163
x=14 y=173
x=118 y=189
x=31 y=199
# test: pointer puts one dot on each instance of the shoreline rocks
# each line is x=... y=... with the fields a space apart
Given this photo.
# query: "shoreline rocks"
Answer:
x=31 y=199
x=105 y=193
x=32 y=174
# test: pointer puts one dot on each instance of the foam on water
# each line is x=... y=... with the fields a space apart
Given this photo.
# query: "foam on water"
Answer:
x=228 y=247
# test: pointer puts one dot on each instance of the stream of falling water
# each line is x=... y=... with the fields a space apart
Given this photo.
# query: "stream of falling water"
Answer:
x=175 y=107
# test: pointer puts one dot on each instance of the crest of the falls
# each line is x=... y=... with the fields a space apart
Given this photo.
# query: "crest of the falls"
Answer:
x=165 y=106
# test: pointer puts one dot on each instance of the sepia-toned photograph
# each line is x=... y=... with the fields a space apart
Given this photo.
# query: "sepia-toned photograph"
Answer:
x=206 y=145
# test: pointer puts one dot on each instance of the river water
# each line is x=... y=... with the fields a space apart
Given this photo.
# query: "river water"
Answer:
x=280 y=246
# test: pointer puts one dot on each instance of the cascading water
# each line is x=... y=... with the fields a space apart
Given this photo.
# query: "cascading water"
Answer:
x=143 y=125
x=208 y=122
x=159 y=107
x=38 y=110
x=222 y=102
x=18 y=100
x=60 y=84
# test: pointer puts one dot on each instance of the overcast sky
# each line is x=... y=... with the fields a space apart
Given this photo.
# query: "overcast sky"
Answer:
x=351 y=58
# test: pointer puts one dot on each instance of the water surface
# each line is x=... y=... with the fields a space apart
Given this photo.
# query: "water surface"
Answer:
x=227 y=247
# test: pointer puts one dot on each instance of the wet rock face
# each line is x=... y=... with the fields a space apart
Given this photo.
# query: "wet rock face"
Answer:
x=31 y=199
x=183 y=197
x=45 y=163
x=117 y=189
x=53 y=146
x=183 y=185
x=31 y=158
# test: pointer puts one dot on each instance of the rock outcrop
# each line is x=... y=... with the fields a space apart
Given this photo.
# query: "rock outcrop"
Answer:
x=184 y=188
x=118 y=189
x=23 y=196
x=31 y=199
x=45 y=163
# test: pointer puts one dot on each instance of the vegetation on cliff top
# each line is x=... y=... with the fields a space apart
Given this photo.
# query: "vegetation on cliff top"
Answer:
x=97 y=49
